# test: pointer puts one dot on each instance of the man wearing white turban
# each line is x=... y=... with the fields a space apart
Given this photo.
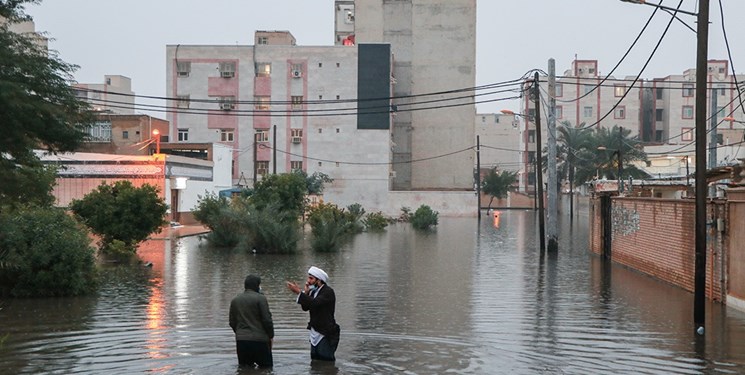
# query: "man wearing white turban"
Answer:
x=318 y=298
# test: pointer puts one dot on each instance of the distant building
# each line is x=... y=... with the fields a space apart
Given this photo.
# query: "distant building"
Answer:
x=124 y=134
x=661 y=112
x=114 y=95
x=500 y=138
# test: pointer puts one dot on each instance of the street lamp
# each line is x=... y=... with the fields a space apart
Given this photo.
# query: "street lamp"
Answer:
x=702 y=51
x=156 y=135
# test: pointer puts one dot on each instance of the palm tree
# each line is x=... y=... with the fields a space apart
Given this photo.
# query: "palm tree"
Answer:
x=608 y=143
x=573 y=147
x=498 y=183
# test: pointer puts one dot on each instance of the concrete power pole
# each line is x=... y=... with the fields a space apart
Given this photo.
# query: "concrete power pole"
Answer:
x=553 y=185
x=713 y=139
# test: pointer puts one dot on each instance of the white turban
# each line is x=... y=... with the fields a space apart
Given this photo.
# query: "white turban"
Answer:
x=318 y=274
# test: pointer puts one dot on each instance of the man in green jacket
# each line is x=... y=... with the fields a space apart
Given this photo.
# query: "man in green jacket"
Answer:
x=251 y=321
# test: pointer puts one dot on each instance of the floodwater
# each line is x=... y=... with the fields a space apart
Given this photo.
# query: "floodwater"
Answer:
x=464 y=299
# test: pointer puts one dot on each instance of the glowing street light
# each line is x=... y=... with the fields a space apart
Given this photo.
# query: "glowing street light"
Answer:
x=156 y=135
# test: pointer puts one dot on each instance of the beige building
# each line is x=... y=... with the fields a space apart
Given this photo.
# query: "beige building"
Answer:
x=434 y=49
x=114 y=95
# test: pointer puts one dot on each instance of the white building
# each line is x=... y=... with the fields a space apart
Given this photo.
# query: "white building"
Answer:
x=500 y=139
x=114 y=95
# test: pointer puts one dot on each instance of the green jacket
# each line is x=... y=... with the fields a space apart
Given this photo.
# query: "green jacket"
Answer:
x=250 y=317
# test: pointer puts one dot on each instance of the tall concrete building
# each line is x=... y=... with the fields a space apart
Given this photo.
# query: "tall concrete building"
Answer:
x=434 y=48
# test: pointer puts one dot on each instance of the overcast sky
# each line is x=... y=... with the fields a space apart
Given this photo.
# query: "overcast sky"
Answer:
x=513 y=36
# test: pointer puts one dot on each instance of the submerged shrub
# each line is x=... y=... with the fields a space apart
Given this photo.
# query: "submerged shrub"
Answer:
x=47 y=253
x=375 y=221
x=329 y=225
x=424 y=217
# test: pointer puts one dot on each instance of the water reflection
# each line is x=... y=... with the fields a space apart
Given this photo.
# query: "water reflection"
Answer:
x=466 y=298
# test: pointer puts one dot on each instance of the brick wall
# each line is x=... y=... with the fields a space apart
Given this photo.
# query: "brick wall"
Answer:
x=656 y=237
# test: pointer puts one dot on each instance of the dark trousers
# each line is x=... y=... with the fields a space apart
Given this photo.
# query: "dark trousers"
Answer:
x=254 y=352
x=325 y=350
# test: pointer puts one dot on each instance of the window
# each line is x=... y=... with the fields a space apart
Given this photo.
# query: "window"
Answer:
x=659 y=114
x=338 y=65
x=559 y=90
x=620 y=112
x=320 y=65
x=262 y=103
x=721 y=89
x=262 y=40
x=587 y=111
x=296 y=135
x=320 y=130
x=320 y=97
x=297 y=102
x=262 y=136
x=262 y=167
x=658 y=134
x=619 y=90
x=687 y=90
x=227 y=69
x=659 y=91
x=483 y=119
x=687 y=112
x=559 y=111
x=338 y=97
x=182 y=101
x=183 y=68
x=125 y=135
x=686 y=134
x=100 y=132
x=296 y=165
x=227 y=102
x=591 y=70
x=183 y=135
x=531 y=114
x=263 y=69
x=586 y=89
x=226 y=135
x=531 y=136
x=298 y=67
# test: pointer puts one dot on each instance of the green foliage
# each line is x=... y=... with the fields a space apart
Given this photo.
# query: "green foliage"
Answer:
x=286 y=191
x=239 y=222
x=375 y=221
x=48 y=252
x=580 y=160
x=329 y=225
x=498 y=183
x=315 y=182
x=122 y=212
x=215 y=213
x=424 y=218
x=355 y=214
x=38 y=110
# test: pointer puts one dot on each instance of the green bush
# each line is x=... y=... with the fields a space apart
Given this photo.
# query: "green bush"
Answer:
x=266 y=230
x=47 y=254
x=424 y=218
x=123 y=212
x=375 y=221
x=354 y=215
x=215 y=213
x=329 y=225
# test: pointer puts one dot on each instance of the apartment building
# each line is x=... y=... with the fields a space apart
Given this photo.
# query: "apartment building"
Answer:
x=124 y=134
x=114 y=95
x=660 y=111
x=283 y=107
x=500 y=139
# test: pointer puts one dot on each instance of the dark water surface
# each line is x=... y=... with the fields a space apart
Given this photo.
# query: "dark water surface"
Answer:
x=465 y=299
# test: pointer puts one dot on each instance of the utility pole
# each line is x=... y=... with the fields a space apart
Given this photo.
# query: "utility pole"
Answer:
x=256 y=154
x=620 y=159
x=477 y=177
x=713 y=138
x=702 y=51
x=274 y=151
x=553 y=183
x=539 y=163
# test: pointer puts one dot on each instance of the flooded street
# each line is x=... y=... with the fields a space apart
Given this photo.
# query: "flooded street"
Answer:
x=464 y=299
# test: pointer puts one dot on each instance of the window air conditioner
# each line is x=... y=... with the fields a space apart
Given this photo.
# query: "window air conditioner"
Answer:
x=296 y=73
x=227 y=74
x=296 y=140
x=226 y=106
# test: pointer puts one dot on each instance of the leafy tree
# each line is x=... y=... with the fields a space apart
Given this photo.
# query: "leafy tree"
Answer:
x=46 y=253
x=329 y=226
x=38 y=110
x=315 y=182
x=288 y=191
x=498 y=183
x=122 y=212
x=215 y=213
